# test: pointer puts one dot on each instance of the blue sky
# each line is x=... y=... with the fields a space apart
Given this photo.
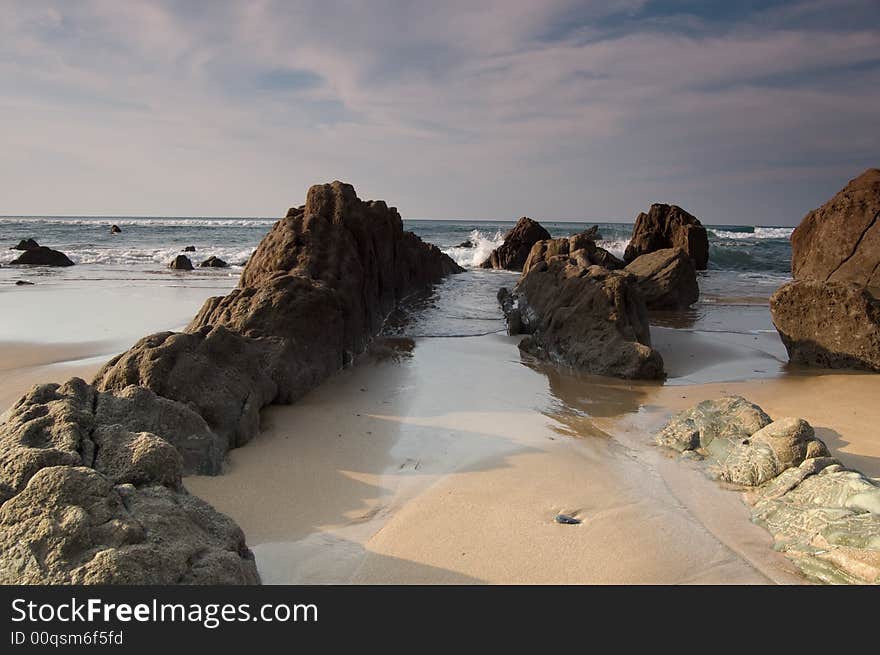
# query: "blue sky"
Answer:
x=748 y=112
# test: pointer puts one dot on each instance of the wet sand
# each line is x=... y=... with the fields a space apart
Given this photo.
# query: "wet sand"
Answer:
x=449 y=464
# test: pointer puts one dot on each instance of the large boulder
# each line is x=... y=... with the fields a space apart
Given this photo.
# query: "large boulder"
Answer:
x=181 y=263
x=824 y=517
x=518 y=242
x=828 y=324
x=666 y=278
x=669 y=226
x=86 y=502
x=584 y=316
x=42 y=256
x=840 y=241
x=829 y=316
x=213 y=262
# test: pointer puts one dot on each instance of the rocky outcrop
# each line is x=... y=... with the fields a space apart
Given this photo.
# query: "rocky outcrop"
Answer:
x=115 y=229
x=42 y=256
x=829 y=316
x=824 y=517
x=181 y=263
x=26 y=244
x=85 y=501
x=669 y=226
x=213 y=262
x=828 y=324
x=840 y=241
x=518 y=242
x=584 y=316
x=666 y=278
x=582 y=244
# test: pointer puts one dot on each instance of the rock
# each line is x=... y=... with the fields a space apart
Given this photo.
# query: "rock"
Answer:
x=213 y=262
x=583 y=245
x=840 y=241
x=565 y=519
x=90 y=503
x=828 y=324
x=518 y=242
x=584 y=316
x=181 y=263
x=23 y=283
x=466 y=244
x=26 y=244
x=42 y=256
x=189 y=249
x=822 y=516
x=224 y=377
x=115 y=229
x=829 y=316
x=666 y=278
x=669 y=226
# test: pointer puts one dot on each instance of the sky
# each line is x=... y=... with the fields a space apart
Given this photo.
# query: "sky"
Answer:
x=740 y=112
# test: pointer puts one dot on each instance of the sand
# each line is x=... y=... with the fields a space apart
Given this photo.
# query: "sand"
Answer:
x=448 y=465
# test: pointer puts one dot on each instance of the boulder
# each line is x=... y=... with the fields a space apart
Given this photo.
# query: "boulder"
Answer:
x=666 y=278
x=115 y=229
x=42 y=256
x=181 y=263
x=84 y=502
x=828 y=324
x=821 y=515
x=840 y=241
x=584 y=316
x=518 y=242
x=26 y=244
x=582 y=244
x=189 y=249
x=213 y=262
x=466 y=244
x=669 y=226
x=829 y=316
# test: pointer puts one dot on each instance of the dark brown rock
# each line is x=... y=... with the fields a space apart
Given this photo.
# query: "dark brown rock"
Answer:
x=582 y=243
x=518 y=242
x=181 y=263
x=213 y=262
x=669 y=226
x=828 y=324
x=584 y=316
x=666 y=278
x=840 y=241
x=115 y=229
x=189 y=249
x=42 y=256
x=26 y=244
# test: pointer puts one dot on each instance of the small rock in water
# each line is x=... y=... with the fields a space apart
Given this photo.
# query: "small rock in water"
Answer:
x=23 y=283
x=189 y=249
x=566 y=519
x=466 y=244
x=114 y=229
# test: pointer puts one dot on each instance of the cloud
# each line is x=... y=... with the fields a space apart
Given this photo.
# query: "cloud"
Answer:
x=459 y=109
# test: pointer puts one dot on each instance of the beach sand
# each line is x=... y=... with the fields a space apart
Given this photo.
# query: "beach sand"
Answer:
x=449 y=462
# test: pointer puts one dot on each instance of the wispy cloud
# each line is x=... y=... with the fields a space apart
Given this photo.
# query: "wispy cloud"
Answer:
x=492 y=109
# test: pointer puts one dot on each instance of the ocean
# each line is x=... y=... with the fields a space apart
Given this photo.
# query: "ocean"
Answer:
x=746 y=263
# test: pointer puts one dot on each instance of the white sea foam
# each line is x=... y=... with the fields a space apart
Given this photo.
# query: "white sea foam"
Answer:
x=484 y=244
x=759 y=233
x=615 y=246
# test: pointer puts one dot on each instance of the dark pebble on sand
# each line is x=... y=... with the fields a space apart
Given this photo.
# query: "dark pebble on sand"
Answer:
x=565 y=519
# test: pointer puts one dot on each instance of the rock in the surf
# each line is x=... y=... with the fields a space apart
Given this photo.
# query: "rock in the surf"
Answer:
x=25 y=244
x=582 y=246
x=829 y=316
x=213 y=262
x=669 y=226
x=181 y=263
x=42 y=256
x=824 y=517
x=189 y=249
x=115 y=229
x=585 y=316
x=518 y=242
x=666 y=278
x=91 y=503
